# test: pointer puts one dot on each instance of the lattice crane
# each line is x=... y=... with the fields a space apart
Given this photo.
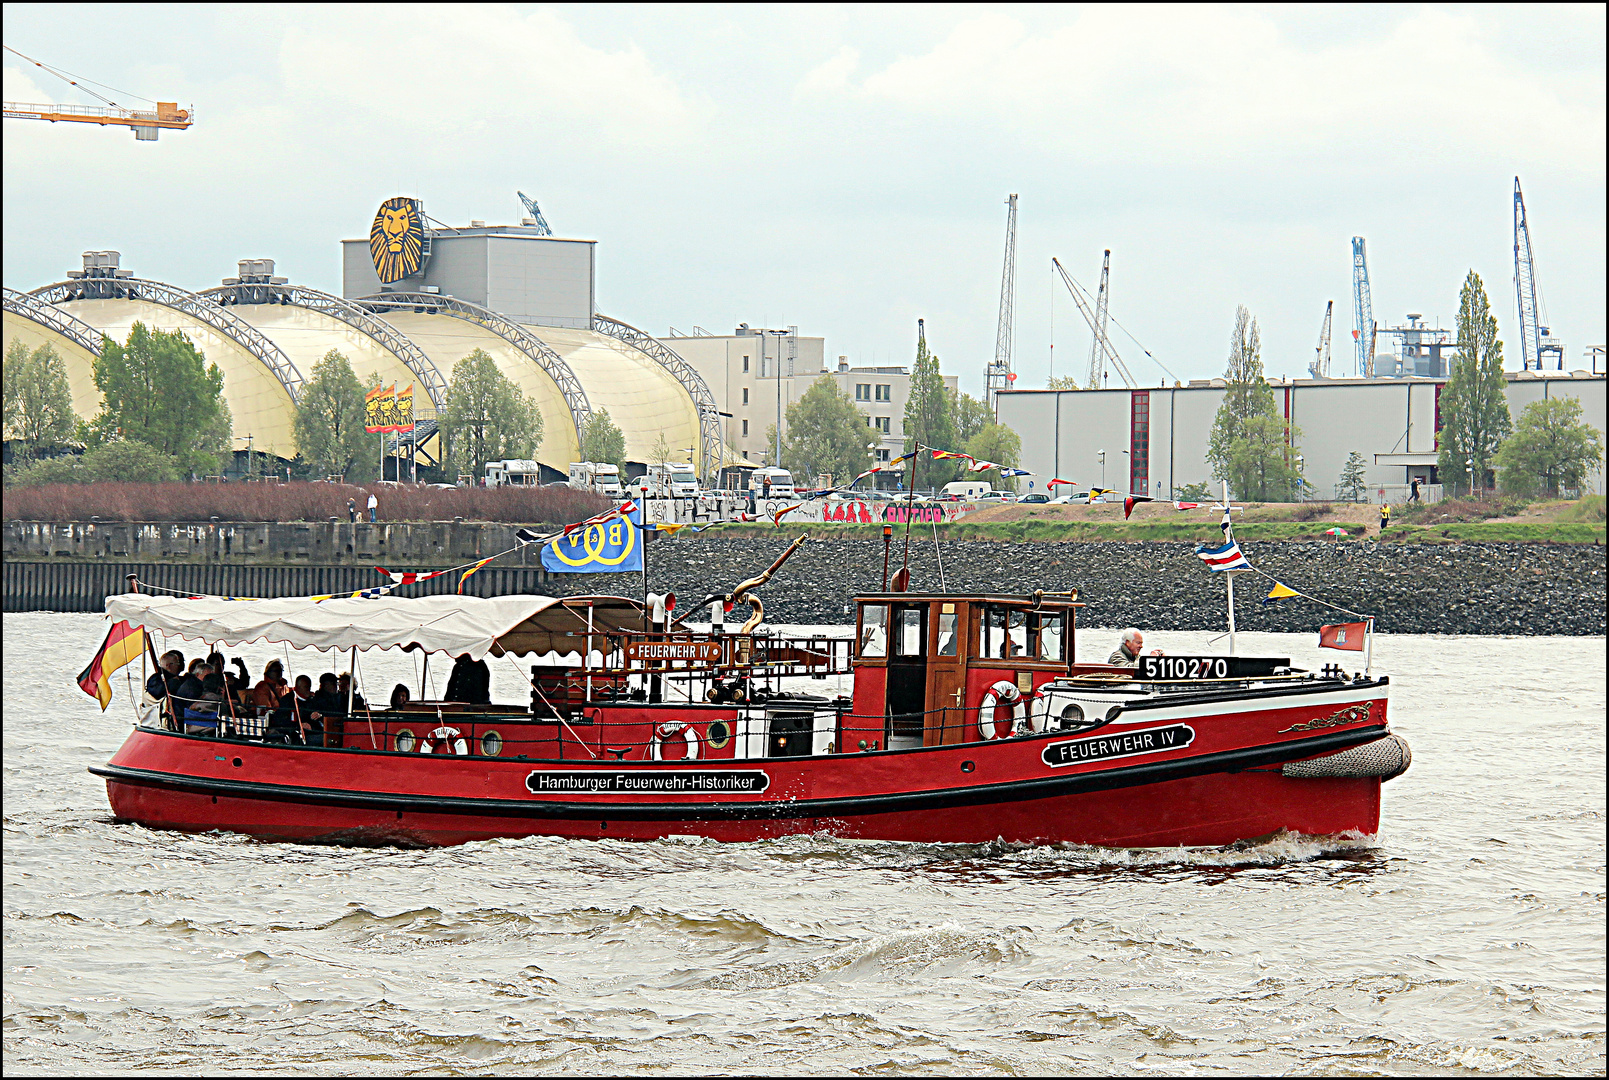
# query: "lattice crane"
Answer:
x=1535 y=342
x=1096 y=353
x=534 y=215
x=997 y=376
x=1320 y=367
x=1362 y=309
x=1085 y=309
x=147 y=123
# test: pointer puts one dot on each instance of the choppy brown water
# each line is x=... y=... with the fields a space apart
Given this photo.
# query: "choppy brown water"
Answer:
x=1467 y=937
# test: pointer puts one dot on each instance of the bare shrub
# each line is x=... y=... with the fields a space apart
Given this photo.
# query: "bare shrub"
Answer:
x=313 y=501
x=1311 y=512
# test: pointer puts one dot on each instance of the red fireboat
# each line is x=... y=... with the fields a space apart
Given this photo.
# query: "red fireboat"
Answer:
x=970 y=720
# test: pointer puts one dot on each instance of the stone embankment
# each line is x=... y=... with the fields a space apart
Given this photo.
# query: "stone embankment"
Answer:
x=1468 y=588
x=1412 y=589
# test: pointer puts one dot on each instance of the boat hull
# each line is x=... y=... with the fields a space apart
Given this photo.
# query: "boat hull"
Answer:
x=1210 y=810
x=1208 y=773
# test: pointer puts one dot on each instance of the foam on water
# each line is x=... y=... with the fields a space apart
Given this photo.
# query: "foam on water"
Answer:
x=1467 y=937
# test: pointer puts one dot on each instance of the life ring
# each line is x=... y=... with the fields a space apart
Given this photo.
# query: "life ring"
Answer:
x=666 y=731
x=1001 y=693
x=449 y=736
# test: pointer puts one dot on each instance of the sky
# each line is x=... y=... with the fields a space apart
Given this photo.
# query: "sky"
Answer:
x=845 y=168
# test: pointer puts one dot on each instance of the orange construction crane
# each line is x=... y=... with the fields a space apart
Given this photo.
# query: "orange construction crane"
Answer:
x=147 y=123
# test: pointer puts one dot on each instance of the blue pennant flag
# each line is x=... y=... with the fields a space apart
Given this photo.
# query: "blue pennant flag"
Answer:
x=601 y=547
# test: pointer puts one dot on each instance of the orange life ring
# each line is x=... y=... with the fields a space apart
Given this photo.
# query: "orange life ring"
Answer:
x=668 y=730
x=1001 y=693
x=450 y=736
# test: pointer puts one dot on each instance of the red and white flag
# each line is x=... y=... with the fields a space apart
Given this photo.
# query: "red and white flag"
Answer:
x=1347 y=636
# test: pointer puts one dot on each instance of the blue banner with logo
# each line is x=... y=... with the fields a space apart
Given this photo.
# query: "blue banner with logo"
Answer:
x=603 y=548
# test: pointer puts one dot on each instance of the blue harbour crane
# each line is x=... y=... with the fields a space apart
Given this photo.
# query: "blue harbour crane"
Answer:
x=1362 y=309
x=1535 y=343
x=534 y=215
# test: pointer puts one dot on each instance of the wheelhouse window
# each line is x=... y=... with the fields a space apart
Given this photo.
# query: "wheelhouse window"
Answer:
x=947 y=641
x=873 y=630
x=1051 y=631
x=1005 y=634
x=908 y=641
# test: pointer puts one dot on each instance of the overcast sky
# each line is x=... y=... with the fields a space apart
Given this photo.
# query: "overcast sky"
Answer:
x=845 y=168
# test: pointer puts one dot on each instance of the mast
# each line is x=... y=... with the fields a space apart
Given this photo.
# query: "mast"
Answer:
x=997 y=376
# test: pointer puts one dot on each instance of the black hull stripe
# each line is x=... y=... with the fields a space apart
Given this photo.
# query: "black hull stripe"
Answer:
x=851 y=806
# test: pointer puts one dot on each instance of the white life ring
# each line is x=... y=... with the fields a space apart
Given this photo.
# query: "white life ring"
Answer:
x=446 y=734
x=1001 y=693
x=667 y=731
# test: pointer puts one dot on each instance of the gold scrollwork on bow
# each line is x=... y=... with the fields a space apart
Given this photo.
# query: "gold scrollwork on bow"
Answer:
x=1352 y=714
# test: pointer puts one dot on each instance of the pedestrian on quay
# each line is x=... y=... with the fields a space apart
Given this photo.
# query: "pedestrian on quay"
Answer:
x=374 y=506
x=1385 y=516
x=1413 y=489
x=352 y=510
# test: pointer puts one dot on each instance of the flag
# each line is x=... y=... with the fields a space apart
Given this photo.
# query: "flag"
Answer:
x=409 y=577
x=1279 y=592
x=606 y=544
x=776 y=518
x=1185 y=506
x=123 y=643
x=1130 y=500
x=941 y=455
x=897 y=463
x=1095 y=492
x=377 y=409
x=1227 y=557
x=404 y=410
x=979 y=465
x=1015 y=472
x=1065 y=483
x=670 y=528
x=1347 y=636
x=470 y=571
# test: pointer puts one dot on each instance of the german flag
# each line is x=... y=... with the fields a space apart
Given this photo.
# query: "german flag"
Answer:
x=123 y=643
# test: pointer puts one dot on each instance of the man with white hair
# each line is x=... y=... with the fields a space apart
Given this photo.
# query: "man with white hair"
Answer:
x=1127 y=653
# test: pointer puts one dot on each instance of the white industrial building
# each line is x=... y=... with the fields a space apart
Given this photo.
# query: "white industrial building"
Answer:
x=1154 y=440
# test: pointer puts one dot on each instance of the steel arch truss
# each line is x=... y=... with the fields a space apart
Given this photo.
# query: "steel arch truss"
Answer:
x=709 y=419
x=512 y=332
x=36 y=310
x=342 y=310
x=198 y=307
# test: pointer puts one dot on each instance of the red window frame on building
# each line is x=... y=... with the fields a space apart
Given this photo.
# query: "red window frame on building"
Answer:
x=1140 y=442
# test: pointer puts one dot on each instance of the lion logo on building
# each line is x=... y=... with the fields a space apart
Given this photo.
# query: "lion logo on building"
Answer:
x=396 y=239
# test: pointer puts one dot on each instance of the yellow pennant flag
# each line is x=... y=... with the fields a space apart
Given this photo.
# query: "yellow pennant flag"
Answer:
x=1280 y=591
x=470 y=571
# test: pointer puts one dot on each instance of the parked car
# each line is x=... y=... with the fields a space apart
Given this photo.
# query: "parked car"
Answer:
x=911 y=497
x=1035 y=497
x=1065 y=500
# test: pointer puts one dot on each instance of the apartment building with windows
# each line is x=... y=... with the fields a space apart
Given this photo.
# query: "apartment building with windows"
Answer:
x=753 y=370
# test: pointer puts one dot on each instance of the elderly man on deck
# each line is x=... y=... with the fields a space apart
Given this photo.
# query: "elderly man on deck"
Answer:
x=1127 y=653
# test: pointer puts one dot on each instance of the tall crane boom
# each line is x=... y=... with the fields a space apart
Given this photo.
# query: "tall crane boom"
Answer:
x=1531 y=330
x=1095 y=327
x=1320 y=367
x=1362 y=309
x=534 y=214
x=147 y=123
x=997 y=376
x=1096 y=353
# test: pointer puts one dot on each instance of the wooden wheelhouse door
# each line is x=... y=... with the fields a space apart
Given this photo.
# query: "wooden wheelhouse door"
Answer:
x=907 y=675
x=947 y=674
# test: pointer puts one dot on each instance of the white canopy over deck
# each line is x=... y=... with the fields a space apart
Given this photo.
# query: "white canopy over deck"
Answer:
x=518 y=625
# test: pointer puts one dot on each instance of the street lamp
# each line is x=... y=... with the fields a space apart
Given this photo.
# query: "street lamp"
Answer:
x=1470 y=465
x=1102 y=455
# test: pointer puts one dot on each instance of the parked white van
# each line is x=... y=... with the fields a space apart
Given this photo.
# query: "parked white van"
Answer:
x=772 y=483
x=967 y=489
x=672 y=480
x=519 y=472
x=600 y=476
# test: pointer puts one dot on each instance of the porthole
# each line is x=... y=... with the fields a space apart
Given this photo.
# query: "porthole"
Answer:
x=406 y=741
x=1073 y=714
x=491 y=744
x=968 y=766
x=719 y=734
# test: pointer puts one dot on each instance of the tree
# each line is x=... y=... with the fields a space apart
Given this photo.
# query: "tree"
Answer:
x=1353 y=478
x=602 y=441
x=329 y=422
x=129 y=460
x=157 y=388
x=1196 y=493
x=1001 y=445
x=1063 y=382
x=971 y=416
x=1474 y=405
x=486 y=417
x=826 y=434
x=928 y=420
x=1551 y=448
x=1251 y=445
x=38 y=401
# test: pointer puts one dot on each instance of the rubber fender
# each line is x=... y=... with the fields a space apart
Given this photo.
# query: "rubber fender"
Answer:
x=1387 y=758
